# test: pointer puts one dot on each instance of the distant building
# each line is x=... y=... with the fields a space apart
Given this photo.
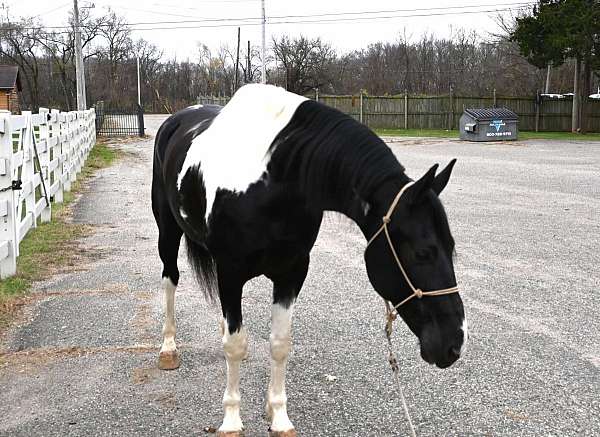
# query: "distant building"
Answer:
x=10 y=87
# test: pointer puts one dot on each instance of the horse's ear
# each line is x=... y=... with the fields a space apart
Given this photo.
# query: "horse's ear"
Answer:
x=423 y=184
x=441 y=180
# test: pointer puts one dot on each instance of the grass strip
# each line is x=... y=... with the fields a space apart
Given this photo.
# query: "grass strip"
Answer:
x=52 y=245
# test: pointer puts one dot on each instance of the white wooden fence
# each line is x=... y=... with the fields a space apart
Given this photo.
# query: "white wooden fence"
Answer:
x=40 y=156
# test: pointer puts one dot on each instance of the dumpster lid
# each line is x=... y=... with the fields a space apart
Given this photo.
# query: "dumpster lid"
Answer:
x=491 y=113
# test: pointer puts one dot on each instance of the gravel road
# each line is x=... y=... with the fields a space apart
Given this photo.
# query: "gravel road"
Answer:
x=82 y=358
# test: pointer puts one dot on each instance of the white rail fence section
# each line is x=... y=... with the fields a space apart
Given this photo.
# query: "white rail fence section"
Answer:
x=40 y=157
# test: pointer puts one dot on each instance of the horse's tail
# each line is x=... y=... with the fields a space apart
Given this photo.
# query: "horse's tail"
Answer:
x=191 y=200
x=204 y=267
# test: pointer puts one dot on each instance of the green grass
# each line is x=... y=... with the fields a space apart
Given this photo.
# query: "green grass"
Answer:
x=434 y=133
x=441 y=133
x=51 y=245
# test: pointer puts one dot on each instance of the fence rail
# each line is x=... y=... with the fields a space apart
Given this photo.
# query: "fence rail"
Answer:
x=40 y=157
x=444 y=112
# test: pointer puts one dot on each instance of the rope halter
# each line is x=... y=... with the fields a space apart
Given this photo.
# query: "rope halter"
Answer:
x=416 y=292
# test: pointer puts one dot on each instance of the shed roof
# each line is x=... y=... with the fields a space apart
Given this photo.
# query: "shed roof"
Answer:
x=491 y=113
x=9 y=77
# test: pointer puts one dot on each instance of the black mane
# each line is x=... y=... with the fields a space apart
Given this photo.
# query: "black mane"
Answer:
x=331 y=157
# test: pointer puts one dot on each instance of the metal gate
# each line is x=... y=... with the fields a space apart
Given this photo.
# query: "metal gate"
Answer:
x=119 y=121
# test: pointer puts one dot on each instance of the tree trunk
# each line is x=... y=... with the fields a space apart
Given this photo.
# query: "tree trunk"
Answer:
x=576 y=99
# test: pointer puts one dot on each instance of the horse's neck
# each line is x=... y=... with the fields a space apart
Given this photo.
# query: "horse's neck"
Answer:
x=372 y=206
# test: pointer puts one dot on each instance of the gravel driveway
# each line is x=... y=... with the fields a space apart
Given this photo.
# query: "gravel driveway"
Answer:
x=82 y=358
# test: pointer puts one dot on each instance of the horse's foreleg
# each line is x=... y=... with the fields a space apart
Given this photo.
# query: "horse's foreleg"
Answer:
x=281 y=344
x=285 y=291
x=235 y=347
x=169 y=357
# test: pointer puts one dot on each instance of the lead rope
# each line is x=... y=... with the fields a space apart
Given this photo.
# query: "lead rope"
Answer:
x=392 y=311
x=390 y=316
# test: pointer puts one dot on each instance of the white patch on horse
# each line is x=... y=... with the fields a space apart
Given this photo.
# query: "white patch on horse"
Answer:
x=182 y=213
x=281 y=344
x=198 y=106
x=235 y=347
x=169 y=327
x=233 y=152
x=465 y=330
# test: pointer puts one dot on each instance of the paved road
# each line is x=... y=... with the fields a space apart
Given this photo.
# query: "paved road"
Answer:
x=525 y=217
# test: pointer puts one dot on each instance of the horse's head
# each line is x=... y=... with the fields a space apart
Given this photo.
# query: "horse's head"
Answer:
x=419 y=233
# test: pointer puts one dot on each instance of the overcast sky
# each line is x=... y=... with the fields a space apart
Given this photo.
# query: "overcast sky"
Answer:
x=356 y=32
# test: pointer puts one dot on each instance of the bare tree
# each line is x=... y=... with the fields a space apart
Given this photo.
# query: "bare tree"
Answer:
x=117 y=36
x=305 y=64
x=19 y=45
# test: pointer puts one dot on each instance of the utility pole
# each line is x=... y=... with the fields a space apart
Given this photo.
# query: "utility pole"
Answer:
x=79 y=69
x=249 y=66
x=138 y=81
x=263 y=70
x=237 y=62
x=4 y=7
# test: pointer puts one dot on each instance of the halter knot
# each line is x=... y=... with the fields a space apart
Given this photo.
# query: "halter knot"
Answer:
x=418 y=293
x=386 y=219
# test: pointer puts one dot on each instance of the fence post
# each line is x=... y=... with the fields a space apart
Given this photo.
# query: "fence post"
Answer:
x=74 y=147
x=405 y=109
x=27 y=171
x=140 y=115
x=8 y=228
x=92 y=130
x=44 y=162
x=495 y=100
x=316 y=94
x=538 y=103
x=66 y=148
x=451 y=114
x=57 y=154
x=361 y=106
x=82 y=127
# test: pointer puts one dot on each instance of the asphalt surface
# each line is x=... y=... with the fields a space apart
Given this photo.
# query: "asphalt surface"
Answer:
x=525 y=216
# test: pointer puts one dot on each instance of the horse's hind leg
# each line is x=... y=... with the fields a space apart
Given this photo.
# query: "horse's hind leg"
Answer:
x=168 y=247
x=285 y=291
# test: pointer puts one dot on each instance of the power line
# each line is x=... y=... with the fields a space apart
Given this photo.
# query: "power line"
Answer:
x=291 y=19
x=335 y=14
x=323 y=21
x=52 y=10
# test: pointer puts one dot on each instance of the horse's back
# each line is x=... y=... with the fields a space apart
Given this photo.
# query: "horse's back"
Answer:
x=177 y=132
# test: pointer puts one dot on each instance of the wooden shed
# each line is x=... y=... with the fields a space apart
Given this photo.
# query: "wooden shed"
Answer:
x=10 y=87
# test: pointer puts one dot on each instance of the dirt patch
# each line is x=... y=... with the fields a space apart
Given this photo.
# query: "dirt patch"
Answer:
x=164 y=400
x=517 y=417
x=31 y=360
x=143 y=375
x=143 y=320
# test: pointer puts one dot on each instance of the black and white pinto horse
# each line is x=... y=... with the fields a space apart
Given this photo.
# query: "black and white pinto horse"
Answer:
x=247 y=184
